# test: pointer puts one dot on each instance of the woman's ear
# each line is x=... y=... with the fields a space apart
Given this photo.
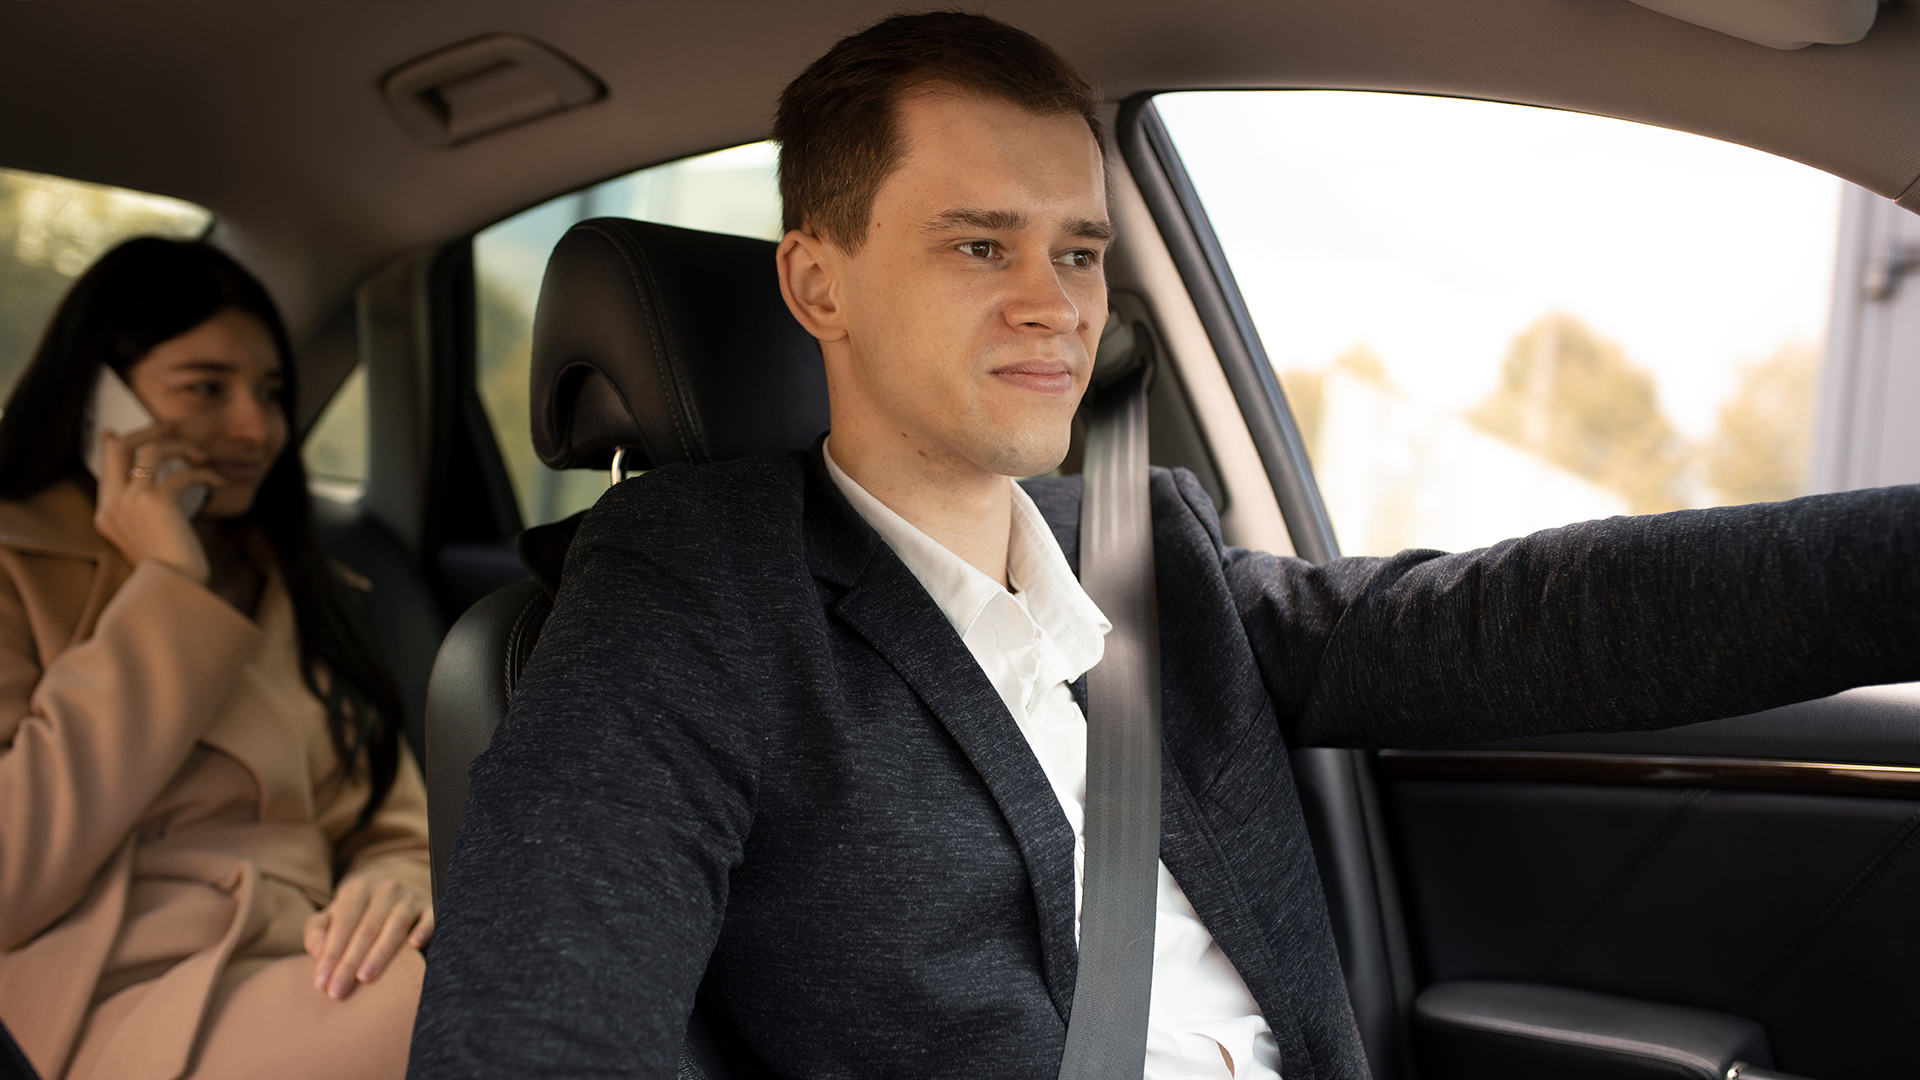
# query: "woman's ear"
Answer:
x=809 y=283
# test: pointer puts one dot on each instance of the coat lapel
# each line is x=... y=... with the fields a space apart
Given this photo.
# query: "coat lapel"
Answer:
x=889 y=608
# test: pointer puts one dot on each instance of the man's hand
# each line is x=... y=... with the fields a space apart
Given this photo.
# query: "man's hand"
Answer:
x=354 y=936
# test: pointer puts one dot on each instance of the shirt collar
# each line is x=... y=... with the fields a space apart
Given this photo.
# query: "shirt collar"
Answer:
x=1035 y=566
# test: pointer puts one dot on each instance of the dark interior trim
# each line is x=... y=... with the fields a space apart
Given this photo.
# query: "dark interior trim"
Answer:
x=1733 y=774
x=469 y=496
x=1347 y=826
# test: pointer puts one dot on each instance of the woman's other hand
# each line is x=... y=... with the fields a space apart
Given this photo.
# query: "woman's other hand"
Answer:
x=354 y=936
x=138 y=512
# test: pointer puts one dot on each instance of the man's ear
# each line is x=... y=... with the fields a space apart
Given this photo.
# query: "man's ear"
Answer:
x=808 y=283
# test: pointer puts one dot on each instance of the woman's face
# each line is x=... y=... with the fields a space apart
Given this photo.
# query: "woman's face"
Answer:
x=218 y=385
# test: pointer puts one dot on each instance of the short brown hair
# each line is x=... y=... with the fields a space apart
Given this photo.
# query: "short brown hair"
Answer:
x=838 y=124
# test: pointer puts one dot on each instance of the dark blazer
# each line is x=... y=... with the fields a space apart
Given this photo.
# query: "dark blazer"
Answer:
x=751 y=759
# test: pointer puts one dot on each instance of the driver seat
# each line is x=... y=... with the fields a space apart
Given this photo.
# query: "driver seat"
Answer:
x=658 y=345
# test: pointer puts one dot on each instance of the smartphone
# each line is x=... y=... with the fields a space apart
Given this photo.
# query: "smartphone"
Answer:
x=115 y=410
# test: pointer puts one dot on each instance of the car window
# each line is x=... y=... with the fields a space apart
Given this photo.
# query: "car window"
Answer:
x=335 y=449
x=51 y=230
x=1490 y=319
x=732 y=191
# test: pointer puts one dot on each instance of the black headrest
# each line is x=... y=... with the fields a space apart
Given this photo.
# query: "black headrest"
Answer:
x=672 y=342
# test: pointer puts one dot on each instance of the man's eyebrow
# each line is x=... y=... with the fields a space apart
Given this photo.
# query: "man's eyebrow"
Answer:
x=967 y=217
x=1089 y=229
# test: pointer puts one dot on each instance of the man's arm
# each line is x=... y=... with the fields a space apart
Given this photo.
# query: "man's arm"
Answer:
x=1621 y=624
x=589 y=880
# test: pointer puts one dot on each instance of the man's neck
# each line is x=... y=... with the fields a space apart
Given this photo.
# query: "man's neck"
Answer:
x=965 y=509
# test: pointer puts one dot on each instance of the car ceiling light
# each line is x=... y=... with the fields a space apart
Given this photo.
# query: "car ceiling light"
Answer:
x=1777 y=24
x=485 y=85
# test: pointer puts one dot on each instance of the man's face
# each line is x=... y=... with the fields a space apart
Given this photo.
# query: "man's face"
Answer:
x=973 y=309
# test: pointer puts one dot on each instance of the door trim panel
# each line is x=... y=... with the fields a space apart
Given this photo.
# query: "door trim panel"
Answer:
x=1720 y=773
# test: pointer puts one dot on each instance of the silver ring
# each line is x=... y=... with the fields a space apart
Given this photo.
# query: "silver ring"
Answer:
x=141 y=472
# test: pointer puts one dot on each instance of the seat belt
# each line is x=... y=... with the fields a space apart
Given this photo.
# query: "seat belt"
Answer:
x=1107 y=1028
x=1107 y=1031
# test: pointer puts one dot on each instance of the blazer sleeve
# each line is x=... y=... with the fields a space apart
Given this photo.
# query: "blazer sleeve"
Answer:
x=394 y=843
x=1622 y=624
x=589 y=881
x=90 y=739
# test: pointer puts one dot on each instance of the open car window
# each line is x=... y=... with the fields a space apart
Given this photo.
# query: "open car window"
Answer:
x=1490 y=319
x=51 y=230
x=731 y=191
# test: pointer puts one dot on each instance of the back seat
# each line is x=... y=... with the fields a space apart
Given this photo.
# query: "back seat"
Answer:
x=407 y=622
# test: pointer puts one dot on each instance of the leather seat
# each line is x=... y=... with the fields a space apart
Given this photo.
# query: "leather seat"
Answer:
x=407 y=622
x=673 y=345
x=670 y=343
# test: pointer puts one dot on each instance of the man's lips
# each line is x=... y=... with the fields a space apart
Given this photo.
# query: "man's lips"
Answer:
x=1040 y=376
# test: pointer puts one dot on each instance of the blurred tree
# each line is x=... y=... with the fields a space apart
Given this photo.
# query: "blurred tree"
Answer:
x=505 y=351
x=52 y=229
x=1305 y=389
x=505 y=360
x=1302 y=387
x=1765 y=436
x=1573 y=397
x=335 y=449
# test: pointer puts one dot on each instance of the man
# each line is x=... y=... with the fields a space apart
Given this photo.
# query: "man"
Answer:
x=828 y=772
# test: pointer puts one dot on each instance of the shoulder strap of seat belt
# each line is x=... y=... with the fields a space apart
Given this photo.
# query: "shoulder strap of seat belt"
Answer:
x=1107 y=1029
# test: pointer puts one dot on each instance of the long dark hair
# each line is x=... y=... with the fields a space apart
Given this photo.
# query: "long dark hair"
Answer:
x=138 y=295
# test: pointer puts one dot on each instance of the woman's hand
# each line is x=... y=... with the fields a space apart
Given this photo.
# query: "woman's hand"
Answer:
x=140 y=513
x=354 y=936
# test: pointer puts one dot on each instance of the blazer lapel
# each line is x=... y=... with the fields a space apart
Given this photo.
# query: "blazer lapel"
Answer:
x=887 y=606
x=1193 y=855
x=1189 y=846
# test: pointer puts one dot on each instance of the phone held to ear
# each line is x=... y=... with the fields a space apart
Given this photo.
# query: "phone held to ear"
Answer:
x=115 y=410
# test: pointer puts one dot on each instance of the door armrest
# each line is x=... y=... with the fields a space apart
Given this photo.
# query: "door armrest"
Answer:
x=1520 y=1031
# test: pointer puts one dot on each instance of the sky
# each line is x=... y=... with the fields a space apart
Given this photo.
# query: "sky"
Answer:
x=1435 y=229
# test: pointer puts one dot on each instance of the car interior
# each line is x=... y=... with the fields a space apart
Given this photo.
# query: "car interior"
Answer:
x=1728 y=899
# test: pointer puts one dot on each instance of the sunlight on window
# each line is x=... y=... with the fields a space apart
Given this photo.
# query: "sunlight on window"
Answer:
x=335 y=450
x=1491 y=319
x=732 y=191
x=51 y=230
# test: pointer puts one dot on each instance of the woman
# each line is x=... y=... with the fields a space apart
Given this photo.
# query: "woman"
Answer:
x=213 y=853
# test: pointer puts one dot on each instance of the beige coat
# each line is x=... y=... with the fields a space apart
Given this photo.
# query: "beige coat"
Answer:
x=170 y=801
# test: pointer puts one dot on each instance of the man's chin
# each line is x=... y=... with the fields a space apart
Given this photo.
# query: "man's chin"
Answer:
x=1025 y=457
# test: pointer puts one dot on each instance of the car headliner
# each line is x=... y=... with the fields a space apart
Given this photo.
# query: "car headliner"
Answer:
x=271 y=113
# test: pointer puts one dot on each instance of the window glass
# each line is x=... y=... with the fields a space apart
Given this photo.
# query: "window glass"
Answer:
x=335 y=450
x=733 y=191
x=1490 y=319
x=51 y=230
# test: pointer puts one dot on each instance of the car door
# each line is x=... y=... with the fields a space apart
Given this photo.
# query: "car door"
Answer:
x=1760 y=867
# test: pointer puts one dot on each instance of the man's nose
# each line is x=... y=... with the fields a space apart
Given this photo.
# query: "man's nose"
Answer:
x=1040 y=299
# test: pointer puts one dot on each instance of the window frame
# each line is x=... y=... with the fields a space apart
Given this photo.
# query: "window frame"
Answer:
x=1151 y=158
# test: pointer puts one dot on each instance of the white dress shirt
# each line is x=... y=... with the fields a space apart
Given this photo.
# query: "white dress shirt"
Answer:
x=1032 y=643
